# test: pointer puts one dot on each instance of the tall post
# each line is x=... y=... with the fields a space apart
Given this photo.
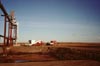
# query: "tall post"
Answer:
x=15 y=34
x=4 y=47
x=10 y=34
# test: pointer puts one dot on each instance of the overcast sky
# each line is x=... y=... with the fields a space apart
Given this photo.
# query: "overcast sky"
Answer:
x=61 y=20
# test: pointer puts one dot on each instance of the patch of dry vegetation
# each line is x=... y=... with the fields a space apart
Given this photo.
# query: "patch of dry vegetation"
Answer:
x=52 y=53
x=74 y=54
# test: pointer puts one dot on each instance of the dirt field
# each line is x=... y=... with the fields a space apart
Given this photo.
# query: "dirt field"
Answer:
x=56 y=63
x=61 y=54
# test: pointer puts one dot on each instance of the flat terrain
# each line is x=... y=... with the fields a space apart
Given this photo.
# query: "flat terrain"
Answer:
x=61 y=54
x=56 y=63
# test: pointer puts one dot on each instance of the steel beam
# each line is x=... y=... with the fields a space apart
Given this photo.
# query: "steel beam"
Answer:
x=5 y=13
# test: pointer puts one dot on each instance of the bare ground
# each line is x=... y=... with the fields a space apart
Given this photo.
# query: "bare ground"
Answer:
x=56 y=63
x=57 y=55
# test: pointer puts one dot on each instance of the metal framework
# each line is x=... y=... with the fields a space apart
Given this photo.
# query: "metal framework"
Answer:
x=10 y=28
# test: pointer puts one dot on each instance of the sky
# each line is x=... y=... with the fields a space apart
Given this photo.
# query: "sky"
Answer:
x=61 y=20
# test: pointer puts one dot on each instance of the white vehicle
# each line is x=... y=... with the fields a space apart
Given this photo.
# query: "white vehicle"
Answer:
x=31 y=42
x=34 y=42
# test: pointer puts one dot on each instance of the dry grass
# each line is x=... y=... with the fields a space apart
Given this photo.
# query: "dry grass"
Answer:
x=56 y=52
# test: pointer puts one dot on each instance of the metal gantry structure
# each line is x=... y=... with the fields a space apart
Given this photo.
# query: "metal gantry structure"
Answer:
x=10 y=28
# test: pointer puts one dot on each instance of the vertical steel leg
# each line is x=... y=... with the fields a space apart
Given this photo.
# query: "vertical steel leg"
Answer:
x=4 y=47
